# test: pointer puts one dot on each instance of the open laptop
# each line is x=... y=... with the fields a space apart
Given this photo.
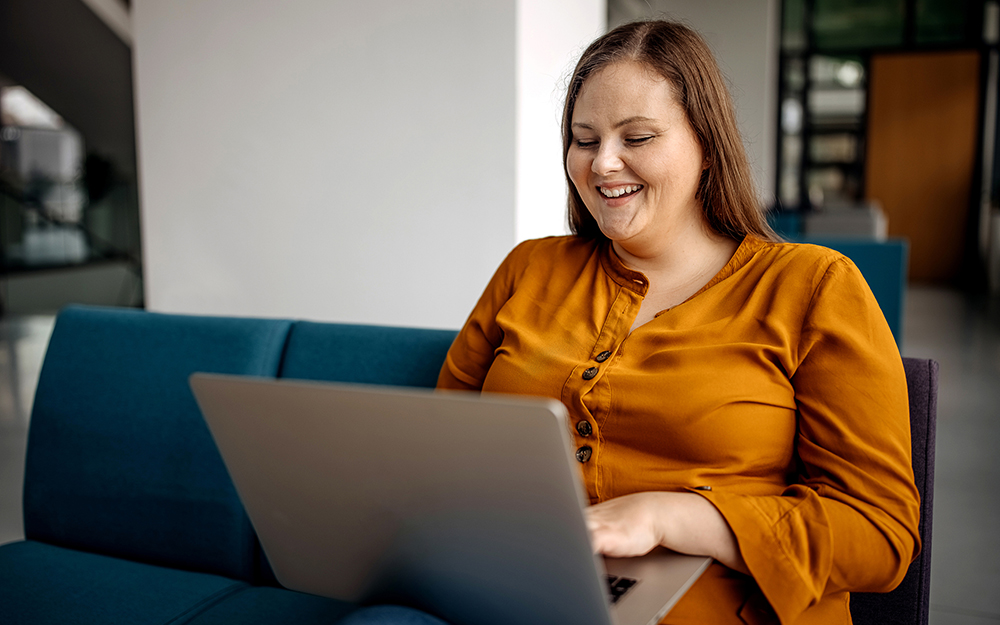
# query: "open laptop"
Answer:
x=465 y=505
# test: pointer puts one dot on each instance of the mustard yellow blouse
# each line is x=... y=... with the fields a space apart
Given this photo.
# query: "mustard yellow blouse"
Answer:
x=778 y=385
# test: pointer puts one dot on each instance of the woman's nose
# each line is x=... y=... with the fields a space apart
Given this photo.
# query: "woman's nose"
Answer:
x=607 y=159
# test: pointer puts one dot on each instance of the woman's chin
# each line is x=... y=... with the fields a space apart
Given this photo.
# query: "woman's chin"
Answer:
x=619 y=232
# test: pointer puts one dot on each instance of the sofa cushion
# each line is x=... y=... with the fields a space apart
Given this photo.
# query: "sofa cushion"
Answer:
x=119 y=459
x=41 y=583
x=365 y=354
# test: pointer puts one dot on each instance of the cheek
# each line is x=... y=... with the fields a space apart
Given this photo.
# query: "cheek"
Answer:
x=577 y=165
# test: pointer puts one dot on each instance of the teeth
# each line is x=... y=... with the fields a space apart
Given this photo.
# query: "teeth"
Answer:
x=620 y=191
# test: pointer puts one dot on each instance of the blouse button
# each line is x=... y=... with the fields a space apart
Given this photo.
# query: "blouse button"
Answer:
x=590 y=374
x=603 y=356
x=583 y=428
x=583 y=454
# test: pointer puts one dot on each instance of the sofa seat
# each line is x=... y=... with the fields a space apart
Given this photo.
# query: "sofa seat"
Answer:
x=42 y=583
x=261 y=605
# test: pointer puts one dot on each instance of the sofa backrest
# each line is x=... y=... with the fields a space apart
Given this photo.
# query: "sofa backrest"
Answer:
x=365 y=354
x=119 y=459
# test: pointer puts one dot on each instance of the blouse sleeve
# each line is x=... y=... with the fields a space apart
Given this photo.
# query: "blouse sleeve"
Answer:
x=471 y=354
x=850 y=523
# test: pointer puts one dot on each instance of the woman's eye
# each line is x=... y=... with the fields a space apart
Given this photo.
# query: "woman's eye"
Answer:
x=638 y=140
x=585 y=143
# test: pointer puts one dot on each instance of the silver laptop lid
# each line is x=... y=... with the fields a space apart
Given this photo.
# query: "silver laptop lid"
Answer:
x=464 y=504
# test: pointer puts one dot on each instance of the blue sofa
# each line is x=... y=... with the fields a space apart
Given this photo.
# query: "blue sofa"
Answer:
x=129 y=513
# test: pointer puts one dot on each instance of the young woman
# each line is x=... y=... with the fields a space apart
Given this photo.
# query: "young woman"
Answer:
x=730 y=395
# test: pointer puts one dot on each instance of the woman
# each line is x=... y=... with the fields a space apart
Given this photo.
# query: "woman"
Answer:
x=730 y=395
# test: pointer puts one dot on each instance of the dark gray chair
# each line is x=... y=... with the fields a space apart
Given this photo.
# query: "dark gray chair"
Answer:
x=909 y=603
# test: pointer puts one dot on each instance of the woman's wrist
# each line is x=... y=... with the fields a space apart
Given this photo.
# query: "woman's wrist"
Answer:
x=689 y=523
x=633 y=524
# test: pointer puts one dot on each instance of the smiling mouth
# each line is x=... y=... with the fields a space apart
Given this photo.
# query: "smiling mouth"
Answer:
x=631 y=189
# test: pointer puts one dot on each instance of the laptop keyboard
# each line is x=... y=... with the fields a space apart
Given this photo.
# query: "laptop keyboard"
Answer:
x=618 y=586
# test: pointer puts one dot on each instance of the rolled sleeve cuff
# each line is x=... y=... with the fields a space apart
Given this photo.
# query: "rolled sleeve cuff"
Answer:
x=785 y=543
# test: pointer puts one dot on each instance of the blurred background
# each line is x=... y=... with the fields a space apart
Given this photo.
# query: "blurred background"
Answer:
x=69 y=210
x=373 y=162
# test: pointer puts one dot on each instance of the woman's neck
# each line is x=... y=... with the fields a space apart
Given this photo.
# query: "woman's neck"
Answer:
x=687 y=255
x=676 y=269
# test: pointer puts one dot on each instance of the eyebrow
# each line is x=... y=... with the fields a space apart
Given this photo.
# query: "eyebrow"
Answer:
x=624 y=122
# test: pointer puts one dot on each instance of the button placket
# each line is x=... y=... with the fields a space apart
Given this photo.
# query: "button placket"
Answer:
x=586 y=378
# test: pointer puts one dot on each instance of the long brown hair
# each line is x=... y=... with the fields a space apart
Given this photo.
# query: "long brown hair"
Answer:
x=726 y=190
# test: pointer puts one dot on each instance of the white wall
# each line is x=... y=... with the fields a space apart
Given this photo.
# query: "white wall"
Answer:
x=551 y=35
x=744 y=36
x=329 y=160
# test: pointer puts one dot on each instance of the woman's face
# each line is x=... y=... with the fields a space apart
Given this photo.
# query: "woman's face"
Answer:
x=634 y=157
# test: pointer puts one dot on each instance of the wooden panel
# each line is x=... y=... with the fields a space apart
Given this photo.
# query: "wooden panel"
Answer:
x=922 y=121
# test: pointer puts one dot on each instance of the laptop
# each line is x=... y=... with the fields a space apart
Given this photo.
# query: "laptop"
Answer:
x=466 y=505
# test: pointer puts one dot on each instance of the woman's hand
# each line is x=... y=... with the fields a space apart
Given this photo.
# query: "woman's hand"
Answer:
x=625 y=526
x=687 y=523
